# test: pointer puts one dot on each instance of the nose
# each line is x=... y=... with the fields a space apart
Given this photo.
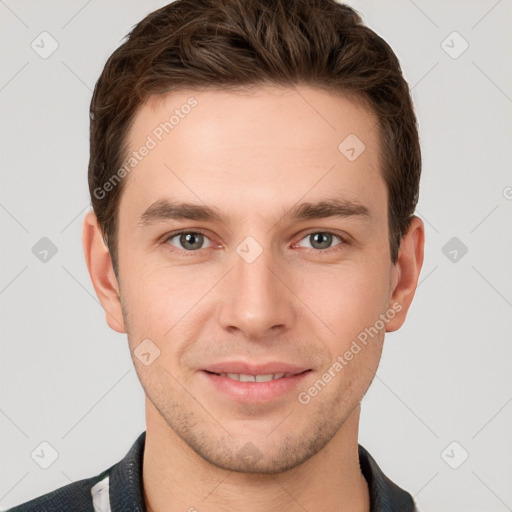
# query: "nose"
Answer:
x=256 y=300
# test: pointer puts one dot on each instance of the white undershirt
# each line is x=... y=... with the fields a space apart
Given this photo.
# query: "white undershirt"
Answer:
x=100 y=496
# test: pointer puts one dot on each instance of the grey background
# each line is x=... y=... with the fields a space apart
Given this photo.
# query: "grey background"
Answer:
x=67 y=379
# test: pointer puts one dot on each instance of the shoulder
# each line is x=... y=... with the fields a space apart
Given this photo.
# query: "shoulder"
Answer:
x=119 y=486
x=75 y=496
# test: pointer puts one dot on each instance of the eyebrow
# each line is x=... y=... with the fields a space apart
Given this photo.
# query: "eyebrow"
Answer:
x=341 y=208
x=164 y=209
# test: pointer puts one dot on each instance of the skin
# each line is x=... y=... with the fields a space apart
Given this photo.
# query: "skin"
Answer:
x=253 y=155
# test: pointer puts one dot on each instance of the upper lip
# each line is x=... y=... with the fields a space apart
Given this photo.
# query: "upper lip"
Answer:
x=255 y=369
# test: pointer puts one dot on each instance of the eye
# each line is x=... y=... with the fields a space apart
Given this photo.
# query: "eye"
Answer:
x=188 y=240
x=320 y=240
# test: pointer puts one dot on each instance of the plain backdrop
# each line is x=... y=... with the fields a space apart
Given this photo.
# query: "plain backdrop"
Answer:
x=443 y=389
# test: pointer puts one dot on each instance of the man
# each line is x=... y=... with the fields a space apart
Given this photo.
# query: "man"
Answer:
x=254 y=170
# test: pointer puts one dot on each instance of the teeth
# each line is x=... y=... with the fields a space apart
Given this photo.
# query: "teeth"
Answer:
x=254 y=378
x=264 y=378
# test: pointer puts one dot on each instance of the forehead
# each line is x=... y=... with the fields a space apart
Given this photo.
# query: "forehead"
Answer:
x=247 y=150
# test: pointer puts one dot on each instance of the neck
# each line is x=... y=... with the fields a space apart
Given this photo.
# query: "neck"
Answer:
x=176 y=478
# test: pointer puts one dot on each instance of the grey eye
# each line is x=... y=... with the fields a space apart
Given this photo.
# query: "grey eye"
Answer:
x=320 y=240
x=190 y=241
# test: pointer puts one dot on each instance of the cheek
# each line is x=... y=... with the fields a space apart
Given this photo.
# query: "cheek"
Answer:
x=161 y=298
x=347 y=298
x=145 y=296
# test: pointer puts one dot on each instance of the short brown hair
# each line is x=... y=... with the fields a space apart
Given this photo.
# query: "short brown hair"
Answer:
x=236 y=43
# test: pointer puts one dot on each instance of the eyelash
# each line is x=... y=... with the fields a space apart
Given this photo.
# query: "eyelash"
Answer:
x=185 y=253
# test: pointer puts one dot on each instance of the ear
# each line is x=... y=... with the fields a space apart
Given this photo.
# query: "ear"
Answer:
x=102 y=273
x=406 y=272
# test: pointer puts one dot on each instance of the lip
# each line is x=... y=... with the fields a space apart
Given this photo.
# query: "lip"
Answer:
x=255 y=369
x=254 y=392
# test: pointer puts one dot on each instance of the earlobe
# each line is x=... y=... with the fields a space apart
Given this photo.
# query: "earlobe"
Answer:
x=408 y=268
x=99 y=264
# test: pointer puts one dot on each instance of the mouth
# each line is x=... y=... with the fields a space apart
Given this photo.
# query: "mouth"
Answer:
x=244 y=377
x=255 y=386
x=279 y=368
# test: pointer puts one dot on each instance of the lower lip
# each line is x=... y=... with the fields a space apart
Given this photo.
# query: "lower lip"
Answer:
x=255 y=392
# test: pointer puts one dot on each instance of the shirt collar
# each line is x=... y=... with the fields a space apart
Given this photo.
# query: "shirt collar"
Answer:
x=126 y=491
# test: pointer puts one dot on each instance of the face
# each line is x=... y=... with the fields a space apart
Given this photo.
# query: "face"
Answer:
x=251 y=242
